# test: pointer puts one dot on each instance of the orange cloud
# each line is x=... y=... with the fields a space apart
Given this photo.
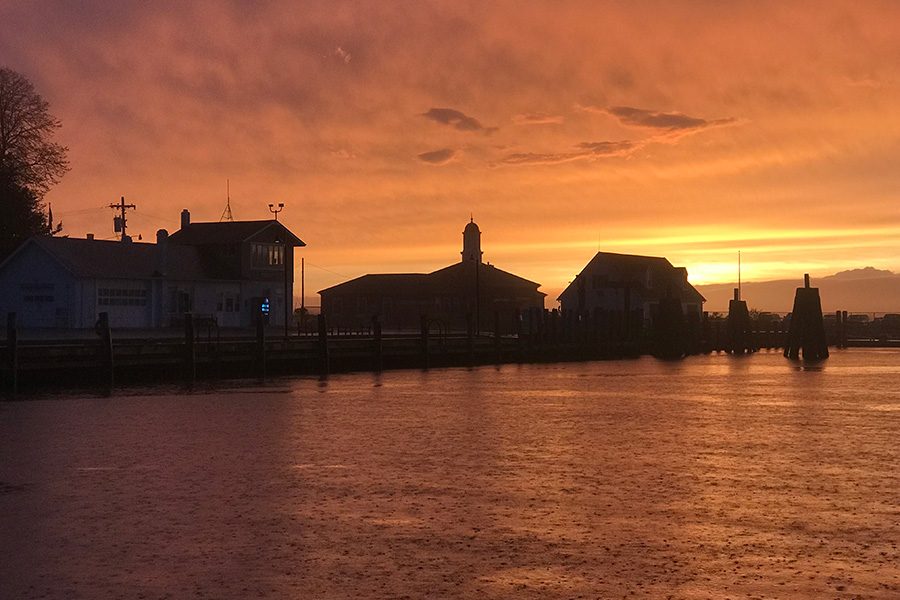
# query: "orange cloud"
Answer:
x=378 y=145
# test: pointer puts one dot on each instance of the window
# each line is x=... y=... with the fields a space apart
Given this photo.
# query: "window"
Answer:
x=180 y=301
x=37 y=292
x=228 y=302
x=267 y=255
x=121 y=297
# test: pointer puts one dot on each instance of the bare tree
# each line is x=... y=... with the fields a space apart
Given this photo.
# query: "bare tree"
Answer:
x=27 y=152
x=30 y=162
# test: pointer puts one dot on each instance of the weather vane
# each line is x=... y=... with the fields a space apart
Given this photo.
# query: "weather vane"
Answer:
x=275 y=211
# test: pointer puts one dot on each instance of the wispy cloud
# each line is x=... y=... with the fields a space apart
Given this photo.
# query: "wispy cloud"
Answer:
x=438 y=157
x=538 y=119
x=456 y=119
x=619 y=148
x=673 y=122
x=537 y=158
x=585 y=151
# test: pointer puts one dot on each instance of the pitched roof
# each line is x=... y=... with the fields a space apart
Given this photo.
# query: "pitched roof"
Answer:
x=627 y=266
x=455 y=277
x=463 y=273
x=228 y=232
x=397 y=283
x=117 y=260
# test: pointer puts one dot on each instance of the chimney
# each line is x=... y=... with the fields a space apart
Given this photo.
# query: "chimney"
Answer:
x=90 y=236
x=162 y=251
x=185 y=218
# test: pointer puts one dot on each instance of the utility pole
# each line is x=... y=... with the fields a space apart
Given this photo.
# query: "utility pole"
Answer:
x=120 y=221
x=287 y=301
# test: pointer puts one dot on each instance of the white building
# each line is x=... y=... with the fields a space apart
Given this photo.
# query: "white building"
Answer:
x=222 y=271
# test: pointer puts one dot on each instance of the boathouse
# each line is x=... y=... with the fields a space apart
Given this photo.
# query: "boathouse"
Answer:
x=626 y=283
x=448 y=298
x=225 y=272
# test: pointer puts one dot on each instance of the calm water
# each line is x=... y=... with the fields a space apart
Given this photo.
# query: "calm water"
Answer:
x=707 y=478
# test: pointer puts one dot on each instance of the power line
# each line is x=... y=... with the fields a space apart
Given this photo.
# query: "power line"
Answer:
x=328 y=270
x=154 y=217
x=81 y=211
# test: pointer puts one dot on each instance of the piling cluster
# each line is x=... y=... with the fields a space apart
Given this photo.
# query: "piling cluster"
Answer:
x=806 y=335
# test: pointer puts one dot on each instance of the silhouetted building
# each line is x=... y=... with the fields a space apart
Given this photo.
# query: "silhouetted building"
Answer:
x=626 y=282
x=224 y=271
x=446 y=296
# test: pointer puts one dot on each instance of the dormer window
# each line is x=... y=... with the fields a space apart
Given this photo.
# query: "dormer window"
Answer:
x=267 y=255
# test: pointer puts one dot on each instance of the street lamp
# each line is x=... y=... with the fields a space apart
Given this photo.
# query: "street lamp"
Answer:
x=275 y=211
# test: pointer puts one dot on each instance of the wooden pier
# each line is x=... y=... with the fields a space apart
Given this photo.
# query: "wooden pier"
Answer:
x=108 y=359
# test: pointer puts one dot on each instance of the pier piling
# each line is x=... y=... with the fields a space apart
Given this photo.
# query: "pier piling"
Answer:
x=844 y=329
x=260 y=347
x=497 y=352
x=377 y=346
x=190 y=351
x=12 y=345
x=806 y=334
x=423 y=340
x=737 y=326
x=107 y=360
x=669 y=328
x=470 y=339
x=323 y=345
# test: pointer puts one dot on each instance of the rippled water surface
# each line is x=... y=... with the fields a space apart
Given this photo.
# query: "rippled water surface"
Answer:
x=711 y=477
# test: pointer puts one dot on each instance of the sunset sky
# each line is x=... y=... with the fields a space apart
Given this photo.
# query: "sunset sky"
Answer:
x=689 y=130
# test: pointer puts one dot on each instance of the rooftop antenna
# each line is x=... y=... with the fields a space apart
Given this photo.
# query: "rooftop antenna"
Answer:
x=226 y=216
x=739 y=275
x=120 y=223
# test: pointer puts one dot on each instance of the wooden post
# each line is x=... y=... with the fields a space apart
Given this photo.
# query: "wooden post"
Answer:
x=323 y=345
x=423 y=339
x=260 y=346
x=106 y=348
x=837 y=329
x=470 y=339
x=626 y=314
x=532 y=314
x=843 y=329
x=12 y=345
x=517 y=323
x=668 y=328
x=377 y=347
x=190 y=352
x=554 y=327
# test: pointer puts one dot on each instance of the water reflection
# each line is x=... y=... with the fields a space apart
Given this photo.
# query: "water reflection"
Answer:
x=710 y=477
